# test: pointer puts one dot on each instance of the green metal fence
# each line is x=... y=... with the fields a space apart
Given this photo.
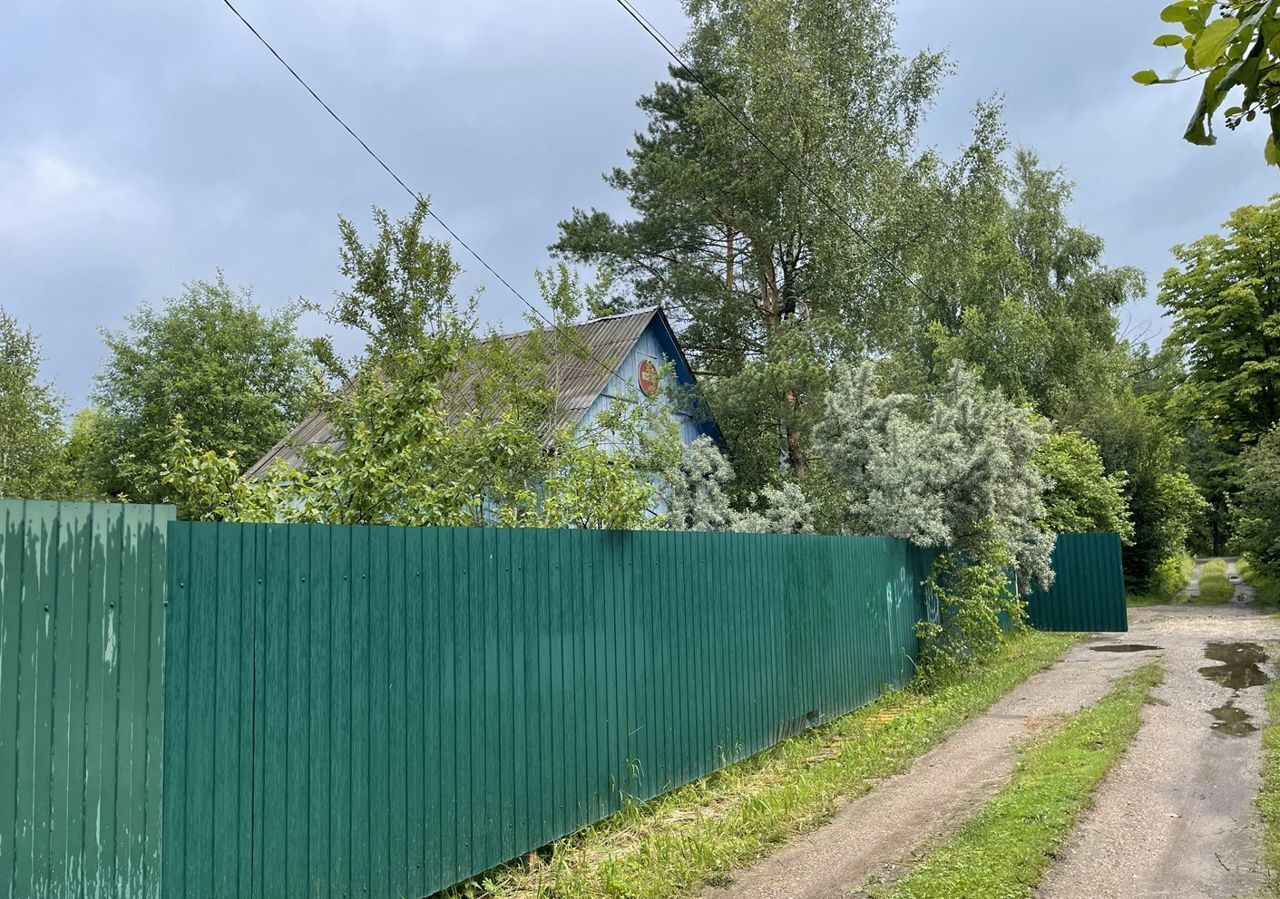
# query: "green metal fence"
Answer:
x=1088 y=594
x=383 y=712
x=81 y=654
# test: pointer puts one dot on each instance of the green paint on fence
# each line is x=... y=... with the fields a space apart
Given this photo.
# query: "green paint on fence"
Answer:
x=385 y=712
x=382 y=712
x=1088 y=593
x=81 y=649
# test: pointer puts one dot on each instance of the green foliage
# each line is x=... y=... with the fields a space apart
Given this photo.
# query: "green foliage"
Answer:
x=1168 y=579
x=955 y=471
x=1215 y=469
x=1005 y=847
x=698 y=834
x=31 y=462
x=1019 y=292
x=439 y=425
x=1162 y=501
x=764 y=281
x=1225 y=301
x=238 y=377
x=1258 y=506
x=978 y=610
x=1237 y=49
x=1266 y=586
x=1083 y=496
x=88 y=468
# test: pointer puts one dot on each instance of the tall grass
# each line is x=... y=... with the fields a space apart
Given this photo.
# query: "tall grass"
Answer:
x=1268 y=799
x=1169 y=578
x=1214 y=586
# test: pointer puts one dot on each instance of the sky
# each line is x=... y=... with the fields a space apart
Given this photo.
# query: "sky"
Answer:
x=146 y=144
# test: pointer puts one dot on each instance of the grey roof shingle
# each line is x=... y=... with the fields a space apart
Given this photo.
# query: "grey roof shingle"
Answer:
x=578 y=379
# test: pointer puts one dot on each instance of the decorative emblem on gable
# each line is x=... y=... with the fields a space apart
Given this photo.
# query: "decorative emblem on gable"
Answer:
x=647 y=377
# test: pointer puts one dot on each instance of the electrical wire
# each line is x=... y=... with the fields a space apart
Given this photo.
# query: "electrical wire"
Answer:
x=418 y=198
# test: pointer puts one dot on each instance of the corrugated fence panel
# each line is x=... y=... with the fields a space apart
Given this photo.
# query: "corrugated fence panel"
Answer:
x=1088 y=592
x=383 y=712
x=81 y=665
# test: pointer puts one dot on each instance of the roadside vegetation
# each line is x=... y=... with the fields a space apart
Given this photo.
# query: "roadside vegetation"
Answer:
x=1166 y=582
x=1266 y=586
x=696 y=835
x=1268 y=799
x=1004 y=849
x=1214 y=586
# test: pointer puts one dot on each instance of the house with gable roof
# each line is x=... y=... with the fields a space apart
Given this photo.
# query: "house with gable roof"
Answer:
x=634 y=345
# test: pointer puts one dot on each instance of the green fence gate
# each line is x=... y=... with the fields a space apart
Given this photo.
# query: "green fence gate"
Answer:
x=81 y=654
x=383 y=712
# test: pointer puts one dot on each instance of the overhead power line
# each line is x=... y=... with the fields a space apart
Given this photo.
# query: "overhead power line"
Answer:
x=417 y=197
x=746 y=125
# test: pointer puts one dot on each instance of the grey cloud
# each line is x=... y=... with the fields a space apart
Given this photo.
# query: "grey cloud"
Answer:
x=197 y=152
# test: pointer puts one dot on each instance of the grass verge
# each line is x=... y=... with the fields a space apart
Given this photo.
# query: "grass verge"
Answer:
x=1268 y=799
x=676 y=844
x=1003 y=850
x=1214 y=586
x=1266 y=588
x=1170 y=576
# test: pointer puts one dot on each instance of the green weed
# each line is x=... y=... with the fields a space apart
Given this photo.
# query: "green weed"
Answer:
x=1214 y=586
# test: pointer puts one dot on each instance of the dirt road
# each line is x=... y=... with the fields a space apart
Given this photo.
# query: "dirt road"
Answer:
x=1176 y=816
x=1192 y=588
x=872 y=836
x=1175 y=819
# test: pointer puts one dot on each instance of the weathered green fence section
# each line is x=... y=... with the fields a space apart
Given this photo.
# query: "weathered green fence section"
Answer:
x=383 y=712
x=81 y=653
x=1088 y=593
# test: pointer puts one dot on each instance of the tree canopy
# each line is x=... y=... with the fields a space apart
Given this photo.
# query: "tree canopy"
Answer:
x=842 y=236
x=30 y=419
x=439 y=423
x=1224 y=298
x=239 y=377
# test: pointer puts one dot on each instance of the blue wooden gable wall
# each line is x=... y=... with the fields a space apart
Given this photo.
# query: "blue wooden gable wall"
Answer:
x=657 y=344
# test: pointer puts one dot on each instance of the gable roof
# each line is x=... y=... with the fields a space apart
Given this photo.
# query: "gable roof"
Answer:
x=579 y=378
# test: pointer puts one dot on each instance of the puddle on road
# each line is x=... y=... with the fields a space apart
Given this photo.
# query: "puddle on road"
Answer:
x=1124 y=647
x=1232 y=721
x=1240 y=665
